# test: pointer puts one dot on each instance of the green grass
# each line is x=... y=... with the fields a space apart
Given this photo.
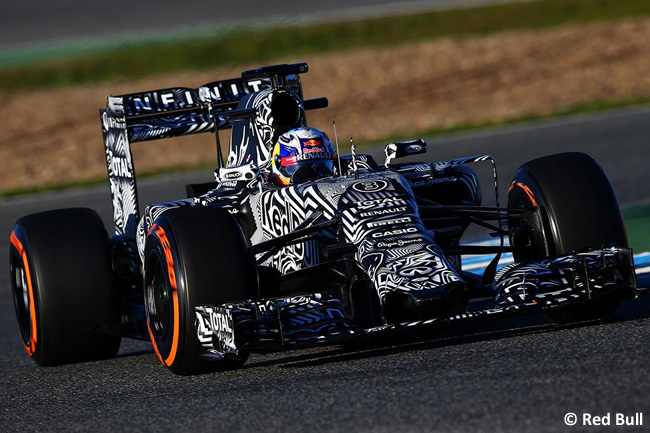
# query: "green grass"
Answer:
x=637 y=223
x=246 y=45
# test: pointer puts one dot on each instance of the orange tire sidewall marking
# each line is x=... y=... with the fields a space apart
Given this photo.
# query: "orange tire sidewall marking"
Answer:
x=172 y=354
x=167 y=248
x=31 y=346
x=528 y=192
x=164 y=241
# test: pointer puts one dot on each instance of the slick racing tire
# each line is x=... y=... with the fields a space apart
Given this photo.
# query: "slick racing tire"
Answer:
x=577 y=209
x=63 y=287
x=193 y=256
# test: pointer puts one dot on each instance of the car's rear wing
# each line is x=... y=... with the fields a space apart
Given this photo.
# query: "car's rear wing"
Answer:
x=171 y=113
x=182 y=111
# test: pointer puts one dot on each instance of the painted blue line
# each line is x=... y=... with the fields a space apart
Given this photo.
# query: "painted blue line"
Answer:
x=486 y=258
x=642 y=259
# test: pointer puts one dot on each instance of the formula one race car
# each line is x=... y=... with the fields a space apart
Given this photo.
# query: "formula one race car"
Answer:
x=357 y=249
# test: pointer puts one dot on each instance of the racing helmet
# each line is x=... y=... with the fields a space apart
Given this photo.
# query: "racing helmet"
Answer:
x=302 y=154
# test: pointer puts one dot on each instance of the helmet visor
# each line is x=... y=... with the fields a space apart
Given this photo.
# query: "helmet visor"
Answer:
x=303 y=171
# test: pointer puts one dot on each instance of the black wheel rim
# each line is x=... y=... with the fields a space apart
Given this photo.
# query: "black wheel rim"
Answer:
x=20 y=290
x=158 y=299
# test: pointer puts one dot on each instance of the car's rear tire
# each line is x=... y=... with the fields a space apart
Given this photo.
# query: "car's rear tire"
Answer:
x=63 y=286
x=193 y=256
x=577 y=209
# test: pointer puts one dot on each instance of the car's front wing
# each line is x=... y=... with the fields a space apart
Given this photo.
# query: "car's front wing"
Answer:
x=316 y=319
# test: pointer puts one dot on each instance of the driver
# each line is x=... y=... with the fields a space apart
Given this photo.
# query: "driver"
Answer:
x=300 y=155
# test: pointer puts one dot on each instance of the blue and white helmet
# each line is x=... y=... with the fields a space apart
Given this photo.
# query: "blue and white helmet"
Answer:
x=302 y=154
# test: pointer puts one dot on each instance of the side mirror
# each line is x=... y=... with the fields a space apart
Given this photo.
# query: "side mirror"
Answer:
x=404 y=148
x=244 y=173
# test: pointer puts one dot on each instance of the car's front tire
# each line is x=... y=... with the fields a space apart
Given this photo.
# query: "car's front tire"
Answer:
x=577 y=209
x=193 y=256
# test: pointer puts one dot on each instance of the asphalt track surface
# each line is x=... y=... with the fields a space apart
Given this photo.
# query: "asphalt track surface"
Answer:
x=511 y=374
x=37 y=22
